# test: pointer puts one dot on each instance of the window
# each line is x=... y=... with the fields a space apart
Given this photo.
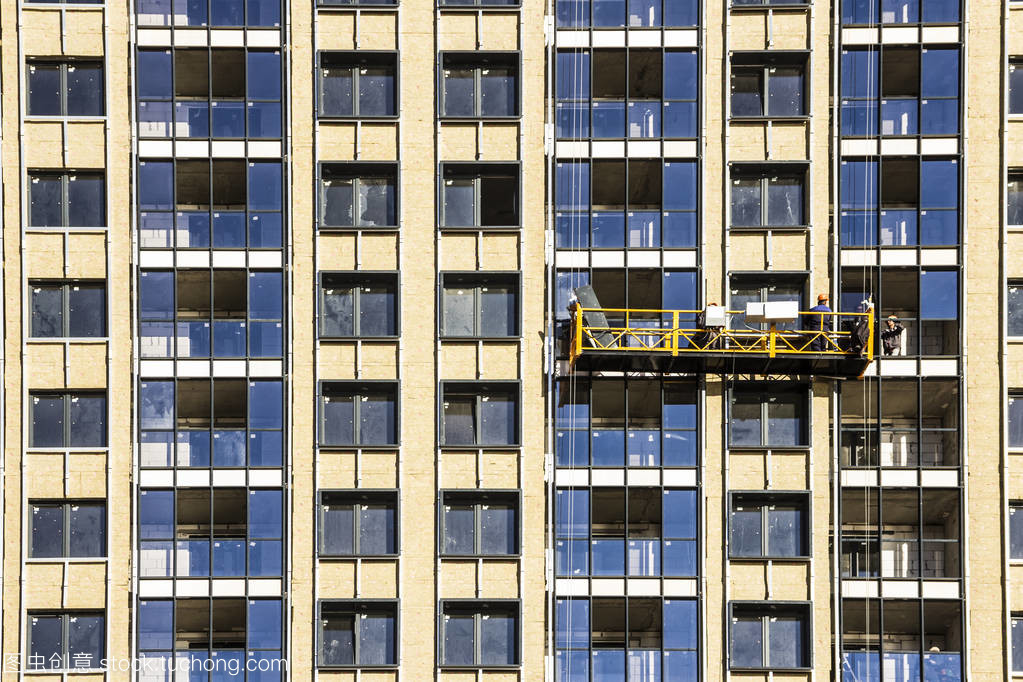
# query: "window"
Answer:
x=68 y=529
x=744 y=3
x=768 y=197
x=358 y=633
x=358 y=84
x=202 y=13
x=904 y=90
x=66 y=199
x=199 y=422
x=358 y=413
x=634 y=93
x=772 y=88
x=1017 y=643
x=480 y=305
x=762 y=289
x=1015 y=306
x=900 y=11
x=1016 y=531
x=770 y=636
x=451 y=4
x=479 y=85
x=1014 y=215
x=763 y=417
x=479 y=634
x=1015 y=87
x=62 y=420
x=633 y=638
x=204 y=532
x=218 y=312
x=769 y=525
x=479 y=195
x=357 y=3
x=479 y=523
x=66 y=639
x=615 y=13
x=476 y=414
x=65 y=89
x=636 y=203
x=904 y=636
x=203 y=93
x=202 y=203
x=1015 y=420
x=358 y=195
x=358 y=304
x=68 y=309
x=358 y=523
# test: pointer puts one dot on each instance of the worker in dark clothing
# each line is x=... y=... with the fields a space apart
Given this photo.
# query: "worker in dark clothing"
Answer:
x=891 y=336
x=859 y=328
x=820 y=323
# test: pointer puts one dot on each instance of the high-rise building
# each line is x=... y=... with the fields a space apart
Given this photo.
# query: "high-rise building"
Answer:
x=470 y=340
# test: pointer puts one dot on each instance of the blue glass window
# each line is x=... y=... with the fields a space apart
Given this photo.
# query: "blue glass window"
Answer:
x=265 y=186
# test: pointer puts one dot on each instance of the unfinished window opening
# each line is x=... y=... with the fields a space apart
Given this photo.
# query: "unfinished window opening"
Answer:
x=768 y=418
x=358 y=304
x=358 y=523
x=68 y=420
x=358 y=84
x=71 y=199
x=769 y=636
x=480 y=305
x=479 y=85
x=65 y=640
x=768 y=85
x=68 y=309
x=768 y=196
x=73 y=88
x=358 y=633
x=479 y=195
x=479 y=523
x=480 y=414
x=769 y=525
x=358 y=413
x=67 y=529
x=763 y=288
x=479 y=634
x=358 y=195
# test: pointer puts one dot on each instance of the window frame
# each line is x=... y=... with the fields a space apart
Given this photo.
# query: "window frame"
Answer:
x=479 y=608
x=768 y=610
x=763 y=63
x=63 y=65
x=478 y=60
x=763 y=282
x=356 y=606
x=478 y=498
x=358 y=279
x=1015 y=508
x=476 y=171
x=358 y=389
x=476 y=5
x=765 y=390
x=478 y=280
x=65 y=615
x=1015 y=620
x=353 y=497
x=764 y=500
x=65 y=506
x=354 y=59
x=1014 y=284
x=64 y=176
x=764 y=173
x=66 y=396
x=65 y=286
x=477 y=390
x=356 y=171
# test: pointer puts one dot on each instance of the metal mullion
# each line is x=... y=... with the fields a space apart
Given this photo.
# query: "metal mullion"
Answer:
x=356 y=545
x=477 y=89
x=65 y=200
x=477 y=542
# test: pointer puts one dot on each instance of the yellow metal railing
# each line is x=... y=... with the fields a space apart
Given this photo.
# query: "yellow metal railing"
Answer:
x=675 y=332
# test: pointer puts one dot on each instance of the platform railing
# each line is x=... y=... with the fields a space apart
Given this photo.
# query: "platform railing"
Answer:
x=676 y=332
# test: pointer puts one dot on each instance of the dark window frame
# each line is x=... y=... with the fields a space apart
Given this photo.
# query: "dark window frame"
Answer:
x=65 y=616
x=478 y=390
x=67 y=397
x=66 y=508
x=477 y=281
x=354 y=389
x=476 y=5
x=63 y=65
x=478 y=608
x=354 y=607
x=357 y=279
x=65 y=176
x=478 y=498
x=354 y=60
x=65 y=287
x=478 y=61
x=765 y=500
x=765 y=174
x=353 y=497
x=766 y=391
x=356 y=172
x=477 y=171
x=766 y=610
x=1015 y=509
x=763 y=64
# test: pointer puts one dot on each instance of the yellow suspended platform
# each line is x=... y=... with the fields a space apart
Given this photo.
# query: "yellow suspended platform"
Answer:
x=621 y=339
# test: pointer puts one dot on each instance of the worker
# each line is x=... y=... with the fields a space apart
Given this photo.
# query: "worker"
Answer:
x=891 y=336
x=820 y=321
x=859 y=328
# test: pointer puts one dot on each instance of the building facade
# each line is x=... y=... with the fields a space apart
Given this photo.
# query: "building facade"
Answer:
x=293 y=378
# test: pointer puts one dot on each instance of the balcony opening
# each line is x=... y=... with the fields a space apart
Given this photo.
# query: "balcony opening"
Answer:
x=194 y=191
x=216 y=625
x=625 y=623
x=480 y=195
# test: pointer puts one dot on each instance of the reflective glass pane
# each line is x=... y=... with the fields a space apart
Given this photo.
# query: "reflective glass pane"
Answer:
x=44 y=90
x=84 y=90
x=48 y=531
x=459 y=92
